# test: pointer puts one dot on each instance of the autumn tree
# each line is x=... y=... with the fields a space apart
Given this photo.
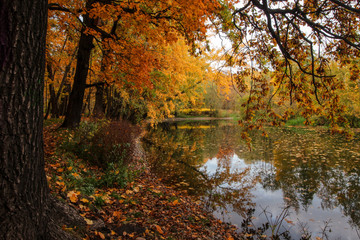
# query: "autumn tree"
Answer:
x=123 y=29
x=60 y=55
x=297 y=39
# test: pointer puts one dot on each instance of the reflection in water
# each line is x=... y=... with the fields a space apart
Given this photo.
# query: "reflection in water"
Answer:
x=315 y=173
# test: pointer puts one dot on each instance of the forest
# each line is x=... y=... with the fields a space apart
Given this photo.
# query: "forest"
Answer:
x=87 y=84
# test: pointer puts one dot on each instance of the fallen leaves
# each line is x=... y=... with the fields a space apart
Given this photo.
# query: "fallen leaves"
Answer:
x=73 y=196
x=144 y=209
x=158 y=228
x=88 y=221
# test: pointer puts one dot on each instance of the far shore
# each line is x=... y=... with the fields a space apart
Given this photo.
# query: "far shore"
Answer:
x=196 y=119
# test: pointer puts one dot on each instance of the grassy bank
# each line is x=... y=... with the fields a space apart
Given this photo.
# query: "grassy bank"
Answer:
x=99 y=170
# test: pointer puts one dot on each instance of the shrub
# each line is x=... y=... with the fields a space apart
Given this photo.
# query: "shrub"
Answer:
x=101 y=143
x=109 y=146
x=354 y=121
x=114 y=143
x=115 y=175
x=79 y=142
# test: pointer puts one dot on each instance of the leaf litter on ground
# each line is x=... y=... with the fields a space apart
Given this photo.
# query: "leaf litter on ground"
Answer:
x=145 y=209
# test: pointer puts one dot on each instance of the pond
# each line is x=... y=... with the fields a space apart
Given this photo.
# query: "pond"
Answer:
x=300 y=180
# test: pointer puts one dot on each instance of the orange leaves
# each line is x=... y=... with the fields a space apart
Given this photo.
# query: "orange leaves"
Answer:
x=116 y=214
x=76 y=175
x=158 y=228
x=229 y=237
x=73 y=196
x=100 y=234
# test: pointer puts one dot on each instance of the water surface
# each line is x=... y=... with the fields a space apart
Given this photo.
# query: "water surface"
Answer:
x=313 y=172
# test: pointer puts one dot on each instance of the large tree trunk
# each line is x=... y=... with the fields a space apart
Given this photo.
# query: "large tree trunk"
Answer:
x=73 y=112
x=26 y=209
x=23 y=186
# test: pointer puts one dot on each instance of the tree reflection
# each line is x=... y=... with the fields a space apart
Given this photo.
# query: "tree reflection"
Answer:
x=311 y=163
x=303 y=164
x=183 y=153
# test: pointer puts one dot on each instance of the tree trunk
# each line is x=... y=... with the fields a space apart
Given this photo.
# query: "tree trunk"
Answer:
x=54 y=98
x=99 y=108
x=64 y=101
x=73 y=111
x=23 y=186
x=52 y=105
x=26 y=209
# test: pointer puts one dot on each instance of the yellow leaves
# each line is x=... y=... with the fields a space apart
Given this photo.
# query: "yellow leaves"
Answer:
x=129 y=192
x=73 y=196
x=175 y=202
x=88 y=221
x=66 y=228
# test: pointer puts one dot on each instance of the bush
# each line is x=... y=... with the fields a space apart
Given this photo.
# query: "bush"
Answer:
x=109 y=146
x=115 y=175
x=79 y=142
x=101 y=143
x=114 y=143
x=354 y=121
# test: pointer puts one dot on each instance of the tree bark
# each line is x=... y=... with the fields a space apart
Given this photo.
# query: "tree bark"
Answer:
x=52 y=105
x=99 y=107
x=26 y=209
x=23 y=186
x=73 y=111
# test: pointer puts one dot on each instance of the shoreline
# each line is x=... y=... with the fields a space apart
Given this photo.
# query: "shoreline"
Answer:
x=176 y=119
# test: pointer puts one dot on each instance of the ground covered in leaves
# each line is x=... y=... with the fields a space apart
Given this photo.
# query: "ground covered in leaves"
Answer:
x=144 y=208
